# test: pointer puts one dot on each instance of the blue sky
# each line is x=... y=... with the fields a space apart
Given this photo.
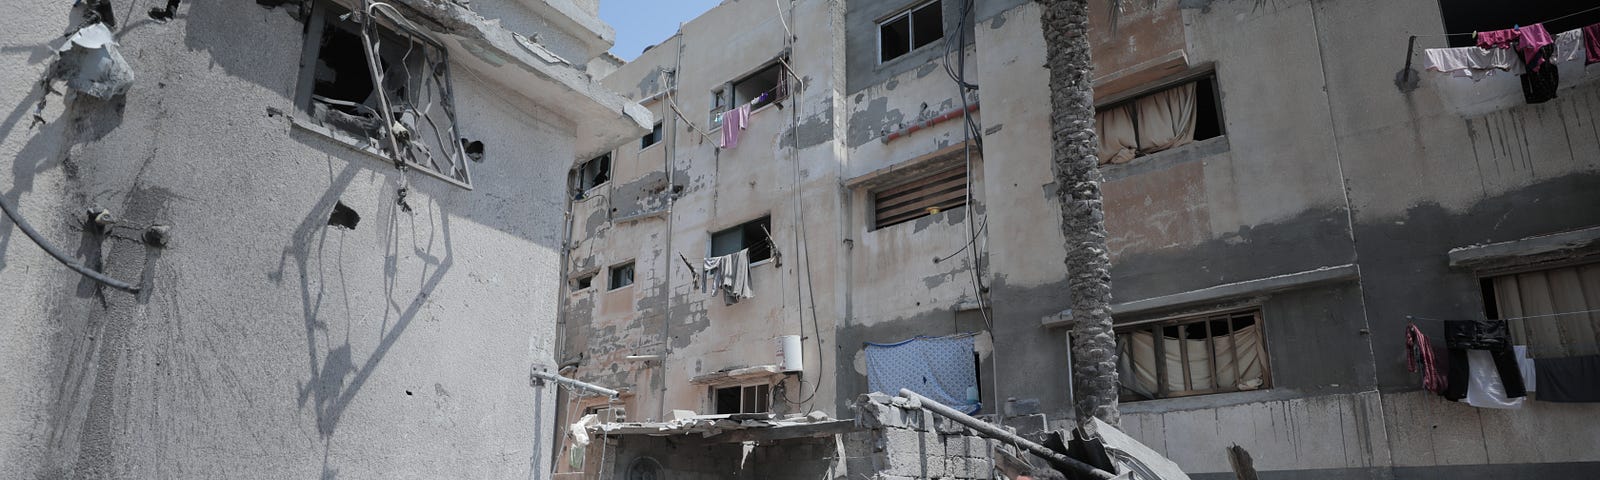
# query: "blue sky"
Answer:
x=642 y=23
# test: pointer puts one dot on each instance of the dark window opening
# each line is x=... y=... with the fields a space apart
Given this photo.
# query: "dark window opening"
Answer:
x=621 y=276
x=1467 y=16
x=1199 y=355
x=753 y=235
x=337 y=91
x=593 y=173
x=913 y=29
x=651 y=138
x=1208 y=118
x=583 y=282
x=920 y=197
x=343 y=217
x=745 y=399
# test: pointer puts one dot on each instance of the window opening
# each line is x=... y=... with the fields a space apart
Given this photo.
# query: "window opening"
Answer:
x=594 y=172
x=583 y=282
x=923 y=196
x=910 y=30
x=1560 y=302
x=764 y=87
x=621 y=275
x=343 y=217
x=1486 y=15
x=337 y=90
x=607 y=413
x=742 y=399
x=1199 y=355
x=1158 y=121
x=651 y=138
x=752 y=235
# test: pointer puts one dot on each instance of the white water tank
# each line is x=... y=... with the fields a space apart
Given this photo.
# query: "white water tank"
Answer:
x=789 y=353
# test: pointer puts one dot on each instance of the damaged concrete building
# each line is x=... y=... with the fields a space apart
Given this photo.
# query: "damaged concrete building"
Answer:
x=276 y=296
x=1281 y=205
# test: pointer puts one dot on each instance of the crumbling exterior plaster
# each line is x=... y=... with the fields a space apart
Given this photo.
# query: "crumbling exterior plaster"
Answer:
x=266 y=343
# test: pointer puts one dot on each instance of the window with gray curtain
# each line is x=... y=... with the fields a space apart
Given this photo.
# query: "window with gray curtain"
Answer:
x=1549 y=310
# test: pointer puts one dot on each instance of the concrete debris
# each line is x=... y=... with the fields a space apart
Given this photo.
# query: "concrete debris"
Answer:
x=710 y=425
x=90 y=63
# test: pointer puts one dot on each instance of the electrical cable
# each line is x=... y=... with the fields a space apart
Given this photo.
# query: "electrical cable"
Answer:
x=60 y=256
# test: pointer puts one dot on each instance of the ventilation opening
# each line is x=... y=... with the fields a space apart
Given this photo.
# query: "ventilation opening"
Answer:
x=474 y=149
x=343 y=217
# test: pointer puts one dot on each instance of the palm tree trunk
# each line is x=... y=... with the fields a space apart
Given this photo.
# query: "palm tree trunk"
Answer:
x=1077 y=171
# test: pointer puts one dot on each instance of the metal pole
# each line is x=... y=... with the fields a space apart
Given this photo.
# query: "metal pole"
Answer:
x=543 y=375
x=994 y=432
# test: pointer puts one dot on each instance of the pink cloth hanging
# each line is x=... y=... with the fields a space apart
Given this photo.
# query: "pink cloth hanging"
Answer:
x=733 y=121
x=1591 y=43
x=1496 y=38
x=1529 y=40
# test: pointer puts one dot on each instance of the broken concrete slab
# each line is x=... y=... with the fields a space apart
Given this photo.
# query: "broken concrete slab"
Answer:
x=89 y=62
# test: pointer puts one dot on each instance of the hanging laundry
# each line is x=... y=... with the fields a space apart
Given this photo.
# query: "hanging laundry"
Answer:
x=1539 y=84
x=1525 y=364
x=1572 y=379
x=1591 y=44
x=1475 y=62
x=939 y=368
x=1531 y=41
x=1419 y=356
x=734 y=121
x=1569 y=46
x=1486 y=388
x=1496 y=38
x=729 y=275
x=1490 y=336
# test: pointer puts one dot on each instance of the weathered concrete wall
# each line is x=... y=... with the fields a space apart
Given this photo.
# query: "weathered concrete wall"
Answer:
x=1324 y=163
x=662 y=313
x=268 y=344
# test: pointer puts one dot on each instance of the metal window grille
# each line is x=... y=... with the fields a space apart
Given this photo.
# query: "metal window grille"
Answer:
x=1213 y=353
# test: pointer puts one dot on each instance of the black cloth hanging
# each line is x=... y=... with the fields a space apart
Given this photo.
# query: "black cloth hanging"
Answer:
x=1571 y=379
x=1539 y=84
x=1491 y=335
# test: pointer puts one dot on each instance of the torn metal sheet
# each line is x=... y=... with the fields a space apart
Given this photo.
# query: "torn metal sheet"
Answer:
x=90 y=63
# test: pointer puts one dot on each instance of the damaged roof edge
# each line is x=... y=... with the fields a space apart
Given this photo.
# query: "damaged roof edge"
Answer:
x=603 y=119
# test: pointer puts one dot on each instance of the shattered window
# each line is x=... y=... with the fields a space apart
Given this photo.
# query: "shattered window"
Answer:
x=910 y=30
x=651 y=138
x=754 y=235
x=593 y=173
x=1213 y=353
x=338 y=88
x=742 y=399
x=621 y=276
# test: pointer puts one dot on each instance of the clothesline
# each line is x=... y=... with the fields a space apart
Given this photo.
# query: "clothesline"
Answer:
x=1557 y=19
x=1507 y=319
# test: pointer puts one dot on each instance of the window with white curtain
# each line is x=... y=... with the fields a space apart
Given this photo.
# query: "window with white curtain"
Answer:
x=1158 y=121
x=1212 y=353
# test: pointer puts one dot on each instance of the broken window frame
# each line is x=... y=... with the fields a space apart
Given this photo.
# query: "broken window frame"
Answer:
x=746 y=230
x=583 y=282
x=593 y=173
x=615 y=277
x=919 y=196
x=433 y=89
x=910 y=14
x=1157 y=328
x=653 y=138
x=753 y=398
x=726 y=96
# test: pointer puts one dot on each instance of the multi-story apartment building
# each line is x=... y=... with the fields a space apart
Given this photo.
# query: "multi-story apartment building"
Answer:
x=281 y=301
x=1280 y=203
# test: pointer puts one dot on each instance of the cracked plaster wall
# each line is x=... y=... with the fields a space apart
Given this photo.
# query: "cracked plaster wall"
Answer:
x=268 y=343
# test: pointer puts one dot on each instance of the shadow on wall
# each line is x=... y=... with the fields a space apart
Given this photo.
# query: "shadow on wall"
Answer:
x=334 y=378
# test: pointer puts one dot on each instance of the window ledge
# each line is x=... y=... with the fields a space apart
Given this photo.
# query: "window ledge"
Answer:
x=1196 y=402
x=1527 y=251
x=1197 y=150
x=753 y=113
x=365 y=146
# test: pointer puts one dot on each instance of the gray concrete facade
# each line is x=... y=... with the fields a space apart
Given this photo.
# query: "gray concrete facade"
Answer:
x=266 y=343
x=1331 y=203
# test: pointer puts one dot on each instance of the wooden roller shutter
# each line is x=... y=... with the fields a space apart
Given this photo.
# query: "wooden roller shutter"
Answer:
x=918 y=198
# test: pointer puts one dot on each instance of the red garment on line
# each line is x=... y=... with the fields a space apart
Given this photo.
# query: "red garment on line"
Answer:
x=1591 y=44
x=1496 y=38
